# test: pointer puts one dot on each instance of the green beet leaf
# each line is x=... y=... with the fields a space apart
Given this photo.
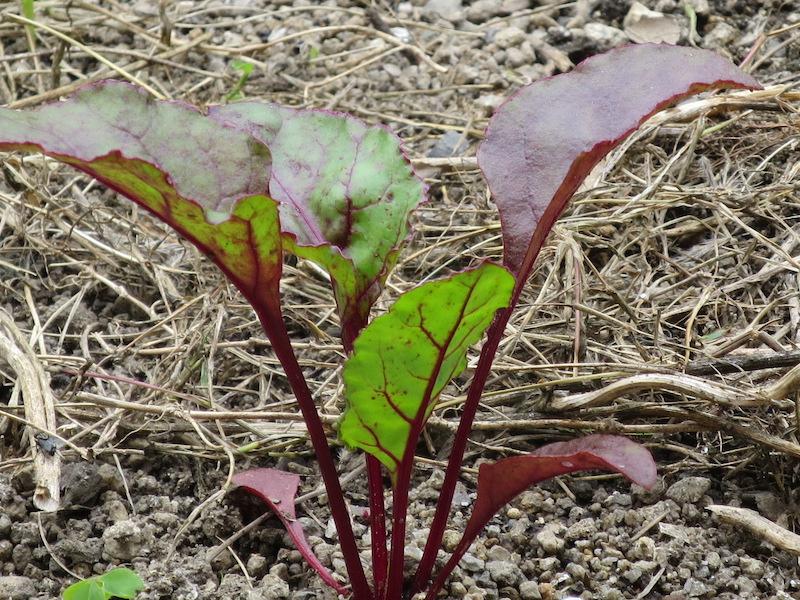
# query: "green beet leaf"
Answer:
x=403 y=359
x=208 y=182
x=345 y=191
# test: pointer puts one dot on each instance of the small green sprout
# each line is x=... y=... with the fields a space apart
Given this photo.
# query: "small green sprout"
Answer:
x=29 y=12
x=117 y=583
x=245 y=68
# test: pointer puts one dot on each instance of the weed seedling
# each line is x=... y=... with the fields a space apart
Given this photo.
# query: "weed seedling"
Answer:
x=248 y=182
x=245 y=70
x=117 y=583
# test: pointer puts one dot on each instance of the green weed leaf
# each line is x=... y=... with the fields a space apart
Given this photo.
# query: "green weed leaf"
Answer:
x=122 y=583
x=117 y=583
x=403 y=359
x=88 y=589
x=29 y=12
x=245 y=69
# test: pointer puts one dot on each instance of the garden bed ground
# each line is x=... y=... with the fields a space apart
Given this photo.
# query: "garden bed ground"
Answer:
x=680 y=255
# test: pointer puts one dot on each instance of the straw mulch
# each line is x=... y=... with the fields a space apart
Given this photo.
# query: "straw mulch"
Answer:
x=664 y=306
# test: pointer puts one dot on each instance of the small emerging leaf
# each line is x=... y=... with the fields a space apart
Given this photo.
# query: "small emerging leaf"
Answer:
x=346 y=191
x=277 y=489
x=543 y=142
x=502 y=481
x=116 y=583
x=206 y=181
x=245 y=69
x=403 y=359
x=88 y=589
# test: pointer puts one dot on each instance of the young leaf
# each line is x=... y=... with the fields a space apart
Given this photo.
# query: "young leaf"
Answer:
x=245 y=69
x=116 y=583
x=345 y=191
x=121 y=583
x=88 y=589
x=500 y=482
x=403 y=359
x=541 y=144
x=206 y=181
x=278 y=490
x=29 y=12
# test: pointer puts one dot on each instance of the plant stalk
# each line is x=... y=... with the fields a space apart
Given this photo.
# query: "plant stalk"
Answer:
x=402 y=484
x=272 y=322
x=377 y=506
x=394 y=585
x=493 y=338
x=452 y=563
x=377 y=521
x=402 y=481
x=453 y=471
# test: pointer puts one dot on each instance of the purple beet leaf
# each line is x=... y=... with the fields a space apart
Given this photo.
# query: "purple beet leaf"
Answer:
x=345 y=191
x=542 y=143
x=278 y=490
x=206 y=181
x=500 y=482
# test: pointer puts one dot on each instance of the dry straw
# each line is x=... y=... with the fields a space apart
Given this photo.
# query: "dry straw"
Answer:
x=665 y=304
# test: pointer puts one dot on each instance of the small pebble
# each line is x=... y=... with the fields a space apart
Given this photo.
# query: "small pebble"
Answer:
x=550 y=541
x=529 y=590
x=14 y=587
x=514 y=513
x=689 y=489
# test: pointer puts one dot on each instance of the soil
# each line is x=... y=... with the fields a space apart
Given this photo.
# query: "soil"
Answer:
x=659 y=267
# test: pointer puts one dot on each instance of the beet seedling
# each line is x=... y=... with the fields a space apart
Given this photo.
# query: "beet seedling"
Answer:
x=247 y=182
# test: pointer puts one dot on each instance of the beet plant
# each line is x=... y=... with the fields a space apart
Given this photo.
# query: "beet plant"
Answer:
x=250 y=181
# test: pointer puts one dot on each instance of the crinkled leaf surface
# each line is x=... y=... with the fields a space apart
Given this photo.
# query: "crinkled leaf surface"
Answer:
x=206 y=181
x=345 y=191
x=500 y=482
x=278 y=490
x=541 y=144
x=403 y=359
